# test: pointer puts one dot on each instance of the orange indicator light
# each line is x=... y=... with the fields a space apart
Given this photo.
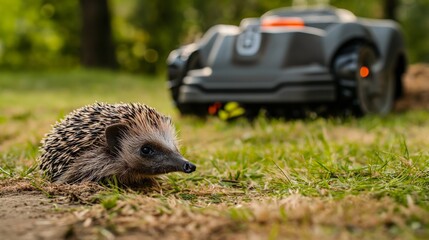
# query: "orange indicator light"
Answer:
x=364 y=71
x=214 y=108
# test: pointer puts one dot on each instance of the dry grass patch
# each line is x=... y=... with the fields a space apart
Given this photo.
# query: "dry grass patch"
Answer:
x=292 y=217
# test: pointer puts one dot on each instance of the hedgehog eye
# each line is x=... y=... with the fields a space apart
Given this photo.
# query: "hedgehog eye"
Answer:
x=146 y=150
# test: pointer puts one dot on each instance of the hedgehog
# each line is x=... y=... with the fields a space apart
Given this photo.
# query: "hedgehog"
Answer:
x=131 y=143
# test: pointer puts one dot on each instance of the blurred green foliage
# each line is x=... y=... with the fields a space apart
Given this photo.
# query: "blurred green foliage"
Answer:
x=414 y=16
x=39 y=33
x=46 y=33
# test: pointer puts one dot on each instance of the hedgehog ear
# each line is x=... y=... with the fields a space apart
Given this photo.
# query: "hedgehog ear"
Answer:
x=114 y=133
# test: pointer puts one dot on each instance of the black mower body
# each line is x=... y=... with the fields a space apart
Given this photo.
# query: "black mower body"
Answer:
x=288 y=56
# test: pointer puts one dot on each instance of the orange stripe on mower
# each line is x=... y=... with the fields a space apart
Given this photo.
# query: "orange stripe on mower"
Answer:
x=270 y=22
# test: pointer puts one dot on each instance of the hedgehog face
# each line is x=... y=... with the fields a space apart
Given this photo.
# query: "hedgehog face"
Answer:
x=148 y=153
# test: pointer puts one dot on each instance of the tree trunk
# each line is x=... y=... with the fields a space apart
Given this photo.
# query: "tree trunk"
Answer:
x=390 y=7
x=97 y=47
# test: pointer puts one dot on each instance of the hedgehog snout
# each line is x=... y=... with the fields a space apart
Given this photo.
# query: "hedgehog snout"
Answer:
x=188 y=167
x=184 y=165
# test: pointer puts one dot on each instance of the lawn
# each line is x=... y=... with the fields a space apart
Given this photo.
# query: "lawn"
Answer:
x=268 y=179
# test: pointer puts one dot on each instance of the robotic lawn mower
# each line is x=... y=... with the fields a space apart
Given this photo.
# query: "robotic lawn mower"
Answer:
x=291 y=59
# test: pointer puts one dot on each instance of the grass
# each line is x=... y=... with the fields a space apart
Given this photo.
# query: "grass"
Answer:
x=269 y=179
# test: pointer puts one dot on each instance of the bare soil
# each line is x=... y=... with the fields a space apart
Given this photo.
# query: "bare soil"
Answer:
x=416 y=88
x=40 y=210
x=44 y=212
x=29 y=215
